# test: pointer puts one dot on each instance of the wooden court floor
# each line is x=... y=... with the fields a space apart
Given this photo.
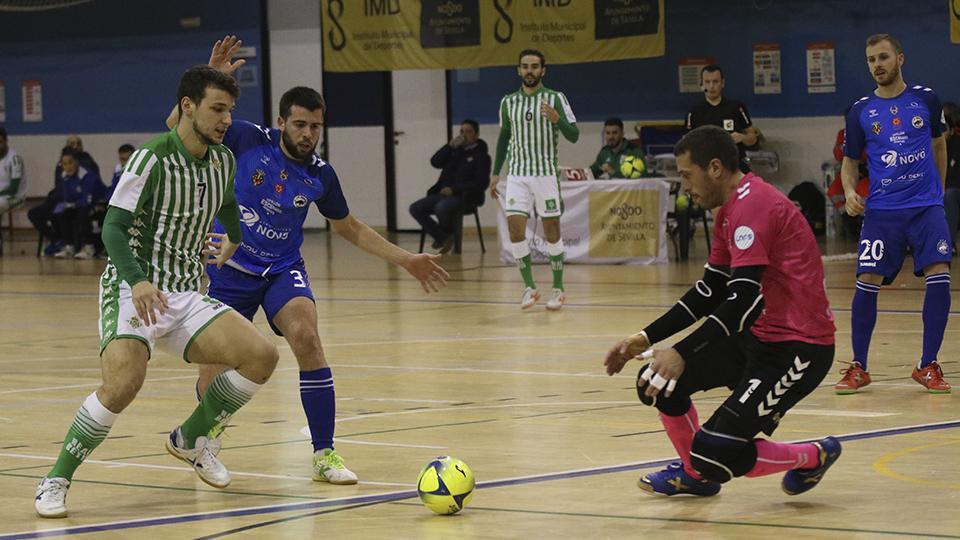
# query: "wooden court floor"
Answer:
x=556 y=445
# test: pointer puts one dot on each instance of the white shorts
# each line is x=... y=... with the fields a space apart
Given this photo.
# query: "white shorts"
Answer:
x=523 y=192
x=189 y=313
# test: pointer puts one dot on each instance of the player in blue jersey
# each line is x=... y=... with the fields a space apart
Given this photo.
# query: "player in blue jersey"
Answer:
x=278 y=177
x=901 y=128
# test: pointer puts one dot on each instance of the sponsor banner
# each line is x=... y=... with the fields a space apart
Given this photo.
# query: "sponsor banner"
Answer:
x=386 y=35
x=766 y=68
x=31 y=93
x=821 y=68
x=603 y=222
x=954 y=21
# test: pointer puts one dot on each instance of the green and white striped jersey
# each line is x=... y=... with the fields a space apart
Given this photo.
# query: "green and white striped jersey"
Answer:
x=173 y=197
x=533 y=138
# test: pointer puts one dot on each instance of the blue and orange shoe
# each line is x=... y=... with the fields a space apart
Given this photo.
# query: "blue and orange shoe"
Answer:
x=798 y=481
x=675 y=481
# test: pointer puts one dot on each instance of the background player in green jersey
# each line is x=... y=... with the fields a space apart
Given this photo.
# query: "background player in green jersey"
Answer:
x=156 y=232
x=530 y=120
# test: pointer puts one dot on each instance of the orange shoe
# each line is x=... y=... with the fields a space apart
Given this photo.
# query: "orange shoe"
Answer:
x=854 y=378
x=931 y=377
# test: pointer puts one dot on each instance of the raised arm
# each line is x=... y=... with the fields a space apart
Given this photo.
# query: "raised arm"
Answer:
x=221 y=59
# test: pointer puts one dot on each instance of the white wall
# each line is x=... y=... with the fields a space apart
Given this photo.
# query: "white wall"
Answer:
x=42 y=152
x=295 y=47
x=357 y=156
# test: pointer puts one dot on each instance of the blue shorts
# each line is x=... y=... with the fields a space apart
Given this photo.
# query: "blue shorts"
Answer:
x=245 y=292
x=887 y=233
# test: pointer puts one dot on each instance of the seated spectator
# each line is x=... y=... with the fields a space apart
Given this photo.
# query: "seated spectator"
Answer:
x=102 y=199
x=951 y=197
x=12 y=186
x=65 y=217
x=464 y=176
x=607 y=164
x=85 y=159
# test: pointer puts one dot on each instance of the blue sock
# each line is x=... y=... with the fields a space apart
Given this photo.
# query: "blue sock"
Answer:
x=936 y=306
x=319 y=403
x=863 y=317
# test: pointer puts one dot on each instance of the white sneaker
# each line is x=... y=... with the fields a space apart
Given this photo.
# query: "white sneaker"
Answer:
x=529 y=298
x=328 y=467
x=65 y=252
x=202 y=457
x=556 y=300
x=52 y=497
x=87 y=252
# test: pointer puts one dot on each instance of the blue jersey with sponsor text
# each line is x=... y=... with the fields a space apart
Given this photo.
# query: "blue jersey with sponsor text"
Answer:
x=896 y=133
x=274 y=193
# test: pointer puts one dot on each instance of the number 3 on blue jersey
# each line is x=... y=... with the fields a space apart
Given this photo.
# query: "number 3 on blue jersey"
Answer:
x=298 y=279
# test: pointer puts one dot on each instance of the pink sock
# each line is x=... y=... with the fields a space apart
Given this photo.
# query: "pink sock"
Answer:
x=680 y=430
x=773 y=457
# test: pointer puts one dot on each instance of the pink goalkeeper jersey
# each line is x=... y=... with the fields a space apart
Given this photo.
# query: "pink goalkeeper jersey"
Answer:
x=759 y=226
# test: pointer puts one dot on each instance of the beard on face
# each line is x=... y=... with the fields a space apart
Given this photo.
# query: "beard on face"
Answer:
x=531 y=81
x=891 y=76
x=293 y=149
x=204 y=138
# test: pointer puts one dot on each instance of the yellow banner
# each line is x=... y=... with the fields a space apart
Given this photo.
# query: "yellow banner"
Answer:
x=387 y=35
x=955 y=21
x=624 y=223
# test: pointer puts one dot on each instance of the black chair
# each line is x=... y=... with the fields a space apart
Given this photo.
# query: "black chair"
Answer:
x=458 y=231
x=681 y=232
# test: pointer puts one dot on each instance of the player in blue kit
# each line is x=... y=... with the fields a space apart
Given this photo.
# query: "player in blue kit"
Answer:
x=278 y=177
x=901 y=128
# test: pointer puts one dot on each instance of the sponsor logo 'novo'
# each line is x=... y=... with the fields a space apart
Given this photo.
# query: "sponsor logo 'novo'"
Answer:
x=625 y=211
x=891 y=158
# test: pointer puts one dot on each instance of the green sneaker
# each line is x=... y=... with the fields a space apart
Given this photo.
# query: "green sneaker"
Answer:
x=328 y=467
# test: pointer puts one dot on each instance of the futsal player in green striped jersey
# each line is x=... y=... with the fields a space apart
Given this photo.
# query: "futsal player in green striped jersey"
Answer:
x=531 y=120
x=157 y=234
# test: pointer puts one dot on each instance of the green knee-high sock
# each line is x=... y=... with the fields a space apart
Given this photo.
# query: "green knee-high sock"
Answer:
x=526 y=270
x=89 y=428
x=556 y=265
x=226 y=394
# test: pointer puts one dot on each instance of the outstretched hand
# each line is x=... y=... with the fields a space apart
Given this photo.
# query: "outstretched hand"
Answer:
x=222 y=52
x=424 y=267
x=625 y=350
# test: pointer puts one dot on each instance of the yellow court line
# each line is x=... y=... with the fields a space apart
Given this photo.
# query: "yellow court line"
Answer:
x=880 y=465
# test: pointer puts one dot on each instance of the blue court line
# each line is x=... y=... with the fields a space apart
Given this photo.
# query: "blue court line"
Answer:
x=400 y=495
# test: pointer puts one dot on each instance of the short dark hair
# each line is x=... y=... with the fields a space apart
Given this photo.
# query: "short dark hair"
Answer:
x=302 y=96
x=3 y=133
x=472 y=123
x=951 y=114
x=126 y=147
x=613 y=121
x=533 y=52
x=710 y=68
x=194 y=83
x=877 y=38
x=707 y=143
x=70 y=151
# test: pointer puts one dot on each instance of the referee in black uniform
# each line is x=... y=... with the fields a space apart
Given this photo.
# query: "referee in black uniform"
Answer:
x=729 y=114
